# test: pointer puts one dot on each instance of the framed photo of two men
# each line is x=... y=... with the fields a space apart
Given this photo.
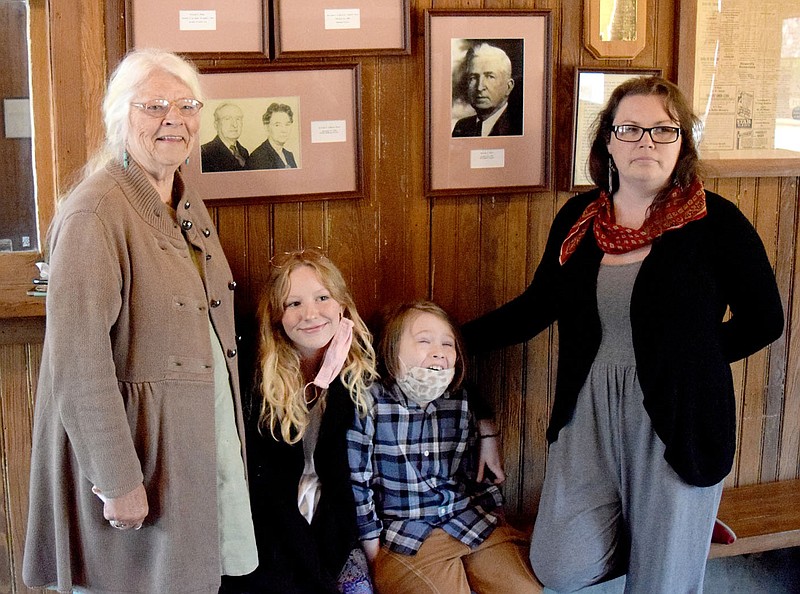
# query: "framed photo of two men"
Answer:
x=279 y=133
x=488 y=77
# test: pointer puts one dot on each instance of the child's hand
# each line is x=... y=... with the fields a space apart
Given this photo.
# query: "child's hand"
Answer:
x=371 y=548
x=490 y=462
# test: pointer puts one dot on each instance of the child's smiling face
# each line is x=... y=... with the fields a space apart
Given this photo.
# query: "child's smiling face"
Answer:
x=427 y=341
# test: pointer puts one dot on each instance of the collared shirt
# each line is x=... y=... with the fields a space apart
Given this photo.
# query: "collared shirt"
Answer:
x=488 y=123
x=414 y=470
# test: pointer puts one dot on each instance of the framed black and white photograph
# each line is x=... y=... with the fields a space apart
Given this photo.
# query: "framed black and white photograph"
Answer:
x=488 y=100
x=280 y=134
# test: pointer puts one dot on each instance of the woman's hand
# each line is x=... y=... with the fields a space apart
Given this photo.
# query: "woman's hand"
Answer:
x=127 y=511
x=489 y=457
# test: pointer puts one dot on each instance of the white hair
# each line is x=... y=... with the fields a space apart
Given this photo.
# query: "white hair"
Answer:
x=485 y=50
x=131 y=73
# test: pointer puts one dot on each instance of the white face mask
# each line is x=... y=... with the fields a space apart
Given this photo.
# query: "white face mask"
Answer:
x=423 y=385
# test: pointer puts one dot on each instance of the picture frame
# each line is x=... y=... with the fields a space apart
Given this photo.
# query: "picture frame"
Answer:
x=593 y=88
x=216 y=32
x=615 y=29
x=310 y=113
x=514 y=156
x=315 y=28
x=744 y=90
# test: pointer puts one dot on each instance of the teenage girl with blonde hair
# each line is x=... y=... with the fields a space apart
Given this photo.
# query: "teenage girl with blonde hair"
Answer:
x=315 y=367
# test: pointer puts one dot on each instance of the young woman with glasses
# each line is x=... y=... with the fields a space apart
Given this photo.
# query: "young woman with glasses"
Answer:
x=639 y=273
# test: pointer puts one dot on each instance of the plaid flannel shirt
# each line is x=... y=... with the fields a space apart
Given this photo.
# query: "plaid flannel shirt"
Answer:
x=414 y=470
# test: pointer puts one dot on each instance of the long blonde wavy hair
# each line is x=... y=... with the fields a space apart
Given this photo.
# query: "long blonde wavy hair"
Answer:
x=280 y=380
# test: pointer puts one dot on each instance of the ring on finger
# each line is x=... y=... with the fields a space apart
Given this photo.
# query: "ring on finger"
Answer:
x=118 y=525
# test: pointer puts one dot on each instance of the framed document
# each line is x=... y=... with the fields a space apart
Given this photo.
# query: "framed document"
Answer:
x=279 y=134
x=209 y=30
x=614 y=29
x=592 y=90
x=340 y=28
x=488 y=100
x=743 y=82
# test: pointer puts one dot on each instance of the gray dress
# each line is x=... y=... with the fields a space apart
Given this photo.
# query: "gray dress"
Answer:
x=611 y=504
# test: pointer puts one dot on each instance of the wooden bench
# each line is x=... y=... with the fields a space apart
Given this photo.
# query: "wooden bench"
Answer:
x=763 y=517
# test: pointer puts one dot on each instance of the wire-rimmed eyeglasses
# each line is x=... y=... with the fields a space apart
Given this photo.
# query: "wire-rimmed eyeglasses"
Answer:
x=158 y=108
x=658 y=134
x=313 y=253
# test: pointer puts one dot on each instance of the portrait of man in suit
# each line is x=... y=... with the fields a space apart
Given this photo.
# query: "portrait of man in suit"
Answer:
x=485 y=81
x=272 y=154
x=224 y=152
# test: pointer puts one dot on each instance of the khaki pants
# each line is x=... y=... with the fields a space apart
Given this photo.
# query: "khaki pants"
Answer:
x=444 y=565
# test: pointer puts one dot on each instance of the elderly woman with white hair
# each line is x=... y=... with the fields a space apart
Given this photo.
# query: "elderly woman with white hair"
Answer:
x=137 y=473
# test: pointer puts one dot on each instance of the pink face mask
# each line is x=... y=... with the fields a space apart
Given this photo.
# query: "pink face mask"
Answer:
x=336 y=354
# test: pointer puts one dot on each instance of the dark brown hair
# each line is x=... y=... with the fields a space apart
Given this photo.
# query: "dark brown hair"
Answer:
x=688 y=166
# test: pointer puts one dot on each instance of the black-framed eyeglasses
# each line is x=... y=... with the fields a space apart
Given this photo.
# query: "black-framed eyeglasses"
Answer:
x=158 y=108
x=658 y=134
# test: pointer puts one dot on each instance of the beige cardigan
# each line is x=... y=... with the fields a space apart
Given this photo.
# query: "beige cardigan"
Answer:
x=126 y=391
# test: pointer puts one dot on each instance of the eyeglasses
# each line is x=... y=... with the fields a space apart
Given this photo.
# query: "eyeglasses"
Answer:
x=658 y=134
x=158 y=108
x=311 y=253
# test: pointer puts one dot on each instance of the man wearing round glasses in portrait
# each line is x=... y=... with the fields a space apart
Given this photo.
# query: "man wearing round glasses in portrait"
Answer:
x=225 y=153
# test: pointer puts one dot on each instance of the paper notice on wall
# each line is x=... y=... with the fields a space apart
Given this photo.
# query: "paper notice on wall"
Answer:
x=329 y=131
x=17 y=116
x=198 y=20
x=342 y=18
x=487 y=158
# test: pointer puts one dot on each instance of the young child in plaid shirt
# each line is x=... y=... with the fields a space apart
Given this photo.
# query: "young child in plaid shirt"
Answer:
x=425 y=522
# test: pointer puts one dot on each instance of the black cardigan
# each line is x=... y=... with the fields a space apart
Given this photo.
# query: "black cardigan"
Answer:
x=683 y=347
x=295 y=557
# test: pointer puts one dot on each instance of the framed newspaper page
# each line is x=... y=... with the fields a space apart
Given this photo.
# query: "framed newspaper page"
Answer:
x=743 y=83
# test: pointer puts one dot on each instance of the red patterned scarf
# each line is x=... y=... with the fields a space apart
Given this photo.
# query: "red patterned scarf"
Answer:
x=682 y=206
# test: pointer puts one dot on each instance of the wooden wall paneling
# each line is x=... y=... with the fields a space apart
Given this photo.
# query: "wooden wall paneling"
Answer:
x=509 y=412
x=568 y=53
x=538 y=365
x=779 y=357
x=467 y=259
x=455 y=255
x=502 y=276
x=79 y=84
x=403 y=213
x=536 y=406
x=789 y=464
x=752 y=421
x=445 y=256
x=515 y=265
x=777 y=206
x=355 y=251
x=10 y=362
x=230 y=221
x=258 y=232
x=286 y=225
x=17 y=385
